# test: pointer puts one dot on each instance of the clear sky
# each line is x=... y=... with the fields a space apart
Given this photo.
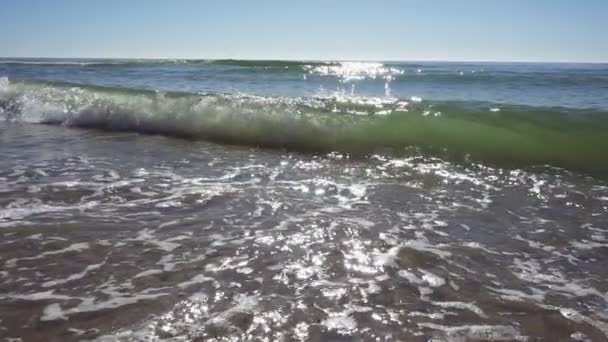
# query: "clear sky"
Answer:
x=499 y=30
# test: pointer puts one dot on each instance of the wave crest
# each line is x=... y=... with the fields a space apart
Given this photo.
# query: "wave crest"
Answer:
x=513 y=135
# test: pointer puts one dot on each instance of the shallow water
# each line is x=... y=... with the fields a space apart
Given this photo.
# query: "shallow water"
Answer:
x=118 y=236
x=381 y=211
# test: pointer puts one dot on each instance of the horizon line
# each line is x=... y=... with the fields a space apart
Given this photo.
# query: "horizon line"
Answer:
x=388 y=60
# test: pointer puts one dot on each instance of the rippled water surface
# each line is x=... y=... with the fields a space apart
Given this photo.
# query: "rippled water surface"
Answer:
x=230 y=200
x=127 y=237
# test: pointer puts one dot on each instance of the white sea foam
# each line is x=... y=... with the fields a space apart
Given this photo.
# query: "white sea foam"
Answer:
x=477 y=332
x=343 y=324
x=74 y=276
x=92 y=305
x=76 y=247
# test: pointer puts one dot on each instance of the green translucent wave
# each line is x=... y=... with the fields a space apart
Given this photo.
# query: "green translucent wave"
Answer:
x=514 y=136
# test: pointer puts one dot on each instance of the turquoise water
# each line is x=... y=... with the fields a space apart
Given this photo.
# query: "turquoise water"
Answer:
x=510 y=114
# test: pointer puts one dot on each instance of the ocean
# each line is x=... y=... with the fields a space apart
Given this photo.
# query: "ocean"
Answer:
x=246 y=200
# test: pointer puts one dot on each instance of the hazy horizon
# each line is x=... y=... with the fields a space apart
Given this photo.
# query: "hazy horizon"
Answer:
x=304 y=60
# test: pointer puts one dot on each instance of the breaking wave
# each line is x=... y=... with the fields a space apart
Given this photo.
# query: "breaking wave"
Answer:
x=512 y=135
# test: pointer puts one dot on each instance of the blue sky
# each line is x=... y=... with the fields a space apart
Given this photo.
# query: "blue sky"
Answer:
x=487 y=30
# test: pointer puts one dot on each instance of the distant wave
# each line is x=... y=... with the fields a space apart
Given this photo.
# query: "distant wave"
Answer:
x=510 y=135
x=96 y=62
x=119 y=62
x=268 y=63
x=252 y=64
x=345 y=70
x=42 y=62
x=73 y=63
